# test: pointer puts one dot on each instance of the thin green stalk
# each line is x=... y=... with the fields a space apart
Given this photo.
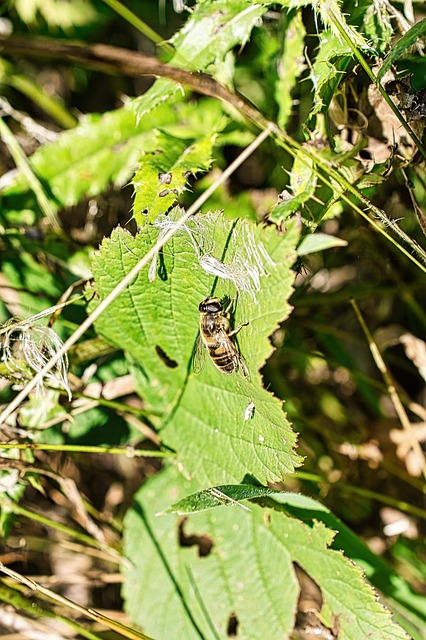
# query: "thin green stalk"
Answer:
x=50 y=104
x=140 y=25
x=399 y=408
x=292 y=147
x=98 y=617
x=33 y=182
x=21 y=601
x=12 y=507
x=129 y=451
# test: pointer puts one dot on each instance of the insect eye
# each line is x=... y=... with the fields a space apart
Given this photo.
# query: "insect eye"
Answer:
x=214 y=307
x=210 y=306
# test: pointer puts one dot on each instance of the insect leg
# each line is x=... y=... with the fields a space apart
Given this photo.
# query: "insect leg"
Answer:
x=237 y=329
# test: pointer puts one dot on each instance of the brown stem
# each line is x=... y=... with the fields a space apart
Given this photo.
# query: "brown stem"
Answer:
x=115 y=60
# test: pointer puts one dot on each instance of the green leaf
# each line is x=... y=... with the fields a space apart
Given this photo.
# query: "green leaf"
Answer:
x=334 y=20
x=287 y=206
x=163 y=90
x=292 y=4
x=380 y=574
x=232 y=564
x=224 y=495
x=303 y=182
x=377 y=25
x=319 y=242
x=164 y=172
x=290 y=67
x=303 y=178
x=331 y=60
x=214 y=27
x=204 y=418
x=100 y=150
x=310 y=511
x=408 y=40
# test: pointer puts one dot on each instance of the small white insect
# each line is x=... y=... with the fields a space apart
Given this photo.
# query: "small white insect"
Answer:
x=249 y=412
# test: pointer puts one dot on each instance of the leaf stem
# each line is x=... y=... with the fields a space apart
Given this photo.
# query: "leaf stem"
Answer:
x=140 y=25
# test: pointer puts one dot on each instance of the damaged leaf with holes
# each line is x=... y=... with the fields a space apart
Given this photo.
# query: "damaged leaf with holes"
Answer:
x=255 y=573
x=165 y=170
x=221 y=427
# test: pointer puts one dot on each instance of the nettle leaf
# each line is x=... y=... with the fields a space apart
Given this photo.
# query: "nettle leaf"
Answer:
x=303 y=182
x=290 y=67
x=164 y=172
x=332 y=59
x=100 y=150
x=303 y=177
x=377 y=24
x=195 y=577
x=163 y=90
x=334 y=19
x=215 y=27
x=221 y=427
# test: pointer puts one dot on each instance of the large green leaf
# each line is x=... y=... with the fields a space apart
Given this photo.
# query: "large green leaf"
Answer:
x=191 y=578
x=392 y=585
x=221 y=427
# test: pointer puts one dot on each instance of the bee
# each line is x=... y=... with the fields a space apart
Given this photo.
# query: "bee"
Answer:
x=215 y=338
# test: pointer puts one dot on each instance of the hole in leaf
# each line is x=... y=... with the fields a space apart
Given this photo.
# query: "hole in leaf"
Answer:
x=164 y=178
x=308 y=623
x=233 y=623
x=172 y=364
x=203 y=541
x=310 y=598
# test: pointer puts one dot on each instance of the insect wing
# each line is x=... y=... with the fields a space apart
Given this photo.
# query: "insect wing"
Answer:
x=229 y=347
x=199 y=359
x=242 y=369
x=239 y=364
